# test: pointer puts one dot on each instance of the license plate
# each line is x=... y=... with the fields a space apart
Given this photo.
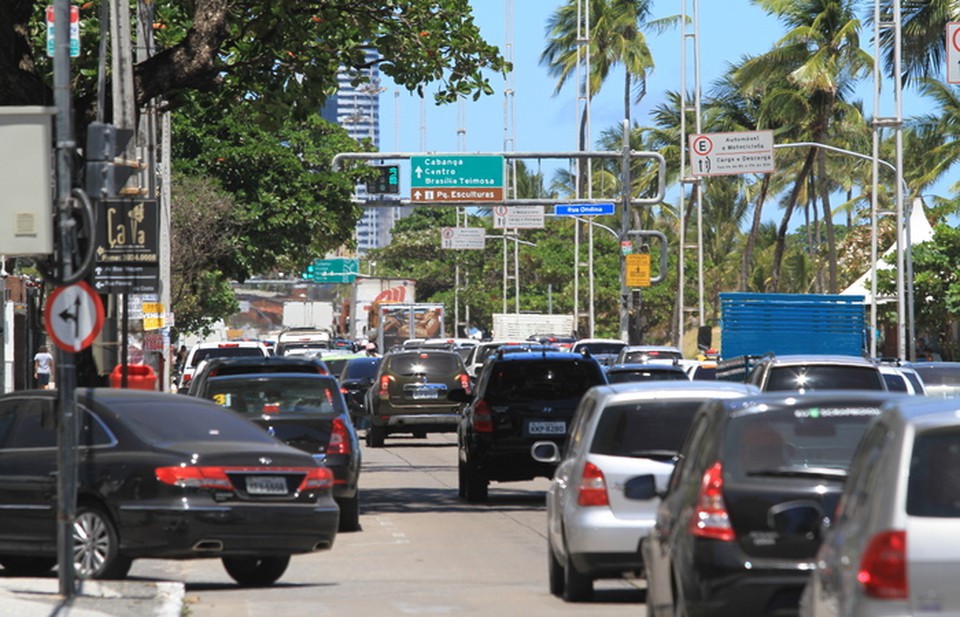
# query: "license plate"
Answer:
x=267 y=485
x=546 y=428
x=425 y=393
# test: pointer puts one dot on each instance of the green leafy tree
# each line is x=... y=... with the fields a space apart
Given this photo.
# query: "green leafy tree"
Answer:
x=282 y=54
x=290 y=206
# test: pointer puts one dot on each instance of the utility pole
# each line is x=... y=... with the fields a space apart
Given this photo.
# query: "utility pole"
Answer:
x=66 y=372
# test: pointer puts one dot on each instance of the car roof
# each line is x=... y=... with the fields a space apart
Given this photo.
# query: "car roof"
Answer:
x=646 y=366
x=676 y=389
x=651 y=348
x=819 y=359
x=544 y=353
x=598 y=340
x=268 y=377
x=781 y=399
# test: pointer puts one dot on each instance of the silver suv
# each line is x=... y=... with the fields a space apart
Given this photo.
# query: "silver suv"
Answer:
x=892 y=548
x=619 y=431
x=815 y=372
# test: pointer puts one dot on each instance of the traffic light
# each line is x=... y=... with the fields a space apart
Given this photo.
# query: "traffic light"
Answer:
x=388 y=180
x=105 y=174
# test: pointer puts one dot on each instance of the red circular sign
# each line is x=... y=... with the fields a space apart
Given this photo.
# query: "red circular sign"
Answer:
x=73 y=316
x=702 y=145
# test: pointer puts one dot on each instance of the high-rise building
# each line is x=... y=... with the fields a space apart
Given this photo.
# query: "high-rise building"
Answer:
x=357 y=109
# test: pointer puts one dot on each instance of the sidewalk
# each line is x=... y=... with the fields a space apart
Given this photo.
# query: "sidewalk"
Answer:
x=36 y=597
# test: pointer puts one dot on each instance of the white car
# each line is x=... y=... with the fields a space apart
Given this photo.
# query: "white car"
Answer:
x=479 y=353
x=605 y=350
x=632 y=354
x=893 y=547
x=619 y=431
x=223 y=349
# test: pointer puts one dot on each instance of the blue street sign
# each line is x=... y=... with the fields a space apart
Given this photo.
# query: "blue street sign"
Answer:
x=582 y=209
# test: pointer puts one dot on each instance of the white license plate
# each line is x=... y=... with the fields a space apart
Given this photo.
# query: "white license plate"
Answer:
x=424 y=393
x=267 y=485
x=547 y=428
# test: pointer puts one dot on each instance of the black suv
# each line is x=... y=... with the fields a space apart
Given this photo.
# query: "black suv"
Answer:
x=520 y=398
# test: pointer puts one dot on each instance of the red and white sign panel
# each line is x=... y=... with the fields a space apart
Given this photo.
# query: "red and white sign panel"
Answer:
x=518 y=217
x=728 y=154
x=953 y=52
x=462 y=238
x=73 y=316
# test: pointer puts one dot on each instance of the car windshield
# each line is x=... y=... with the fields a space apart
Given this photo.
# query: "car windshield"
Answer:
x=424 y=364
x=815 y=441
x=934 y=486
x=650 y=429
x=824 y=377
x=643 y=374
x=225 y=352
x=277 y=395
x=168 y=422
x=543 y=380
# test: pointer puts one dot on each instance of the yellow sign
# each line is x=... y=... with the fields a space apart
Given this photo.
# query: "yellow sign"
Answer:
x=153 y=308
x=638 y=270
x=152 y=323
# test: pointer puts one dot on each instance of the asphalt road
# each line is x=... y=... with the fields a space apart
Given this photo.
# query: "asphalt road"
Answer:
x=422 y=551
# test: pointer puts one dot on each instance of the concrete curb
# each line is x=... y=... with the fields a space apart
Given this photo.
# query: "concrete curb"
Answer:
x=29 y=597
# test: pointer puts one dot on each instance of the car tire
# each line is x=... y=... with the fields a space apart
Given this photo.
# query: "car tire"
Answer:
x=24 y=565
x=376 y=436
x=555 y=572
x=350 y=513
x=475 y=485
x=577 y=587
x=256 y=571
x=461 y=480
x=96 y=546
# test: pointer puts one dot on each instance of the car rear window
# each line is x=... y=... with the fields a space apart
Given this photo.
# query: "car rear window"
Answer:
x=895 y=383
x=273 y=395
x=642 y=429
x=601 y=348
x=645 y=375
x=934 y=485
x=428 y=364
x=547 y=380
x=796 y=441
x=824 y=377
x=188 y=420
x=226 y=352
x=644 y=356
x=361 y=369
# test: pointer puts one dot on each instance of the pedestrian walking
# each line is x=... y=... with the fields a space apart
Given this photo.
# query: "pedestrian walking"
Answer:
x=42 y=367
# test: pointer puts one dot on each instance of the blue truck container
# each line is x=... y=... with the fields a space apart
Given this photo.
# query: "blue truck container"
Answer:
x=755 y=324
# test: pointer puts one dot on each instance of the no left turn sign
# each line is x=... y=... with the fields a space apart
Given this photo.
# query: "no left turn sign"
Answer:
x=73 y=316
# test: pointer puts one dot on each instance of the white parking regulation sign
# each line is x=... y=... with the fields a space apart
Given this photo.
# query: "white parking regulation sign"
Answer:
x=73 y=316
x=953 y=52
x=726 y=154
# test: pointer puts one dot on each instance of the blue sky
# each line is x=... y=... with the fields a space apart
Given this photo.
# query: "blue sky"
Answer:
x=729 y=29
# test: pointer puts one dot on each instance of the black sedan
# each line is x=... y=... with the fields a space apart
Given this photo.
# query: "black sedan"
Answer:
x=306 y=411
x=162 y=476
x=355 y=380
x=739 y=526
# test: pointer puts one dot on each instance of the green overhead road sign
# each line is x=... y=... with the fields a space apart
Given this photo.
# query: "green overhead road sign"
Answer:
x=455 y=178
x=336 y=270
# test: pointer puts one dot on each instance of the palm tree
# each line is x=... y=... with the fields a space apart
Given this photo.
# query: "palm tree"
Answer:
x=822 y=58
x=923 y=23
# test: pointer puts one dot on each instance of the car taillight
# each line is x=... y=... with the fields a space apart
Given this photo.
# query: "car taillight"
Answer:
x=195 y=477
x=465 y=382
x=710 y=518
x=593 y=487
x=316 y=478
x=384 y=391
x=344 y=391
x=212 y=373
x=339 y=438
x=482 y=417
x=883 y=567
x=187 y=379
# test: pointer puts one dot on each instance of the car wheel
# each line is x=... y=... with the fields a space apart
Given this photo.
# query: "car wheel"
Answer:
x=375 y=436
x=22 y=565
x=475 y=484
x=577 y=587
x=420 y=434
x=96 y=546
x=350 y=513
x=555 y=571
x=256 y=571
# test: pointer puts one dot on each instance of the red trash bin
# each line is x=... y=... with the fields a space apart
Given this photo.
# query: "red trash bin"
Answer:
x=139 y=377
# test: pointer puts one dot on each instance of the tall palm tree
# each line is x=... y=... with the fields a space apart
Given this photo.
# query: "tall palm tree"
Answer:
x=821 y=52
x=923 y=23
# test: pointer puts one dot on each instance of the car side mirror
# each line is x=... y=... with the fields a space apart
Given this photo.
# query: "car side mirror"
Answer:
x=641 y=487
x=545 y=452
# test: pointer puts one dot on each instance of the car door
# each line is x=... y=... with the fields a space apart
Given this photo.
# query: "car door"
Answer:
x=657 y=551
x=563 y=490
x=28 y=473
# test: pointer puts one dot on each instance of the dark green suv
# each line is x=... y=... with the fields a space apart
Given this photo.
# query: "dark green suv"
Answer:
x=409 y=394
x=519 y=398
